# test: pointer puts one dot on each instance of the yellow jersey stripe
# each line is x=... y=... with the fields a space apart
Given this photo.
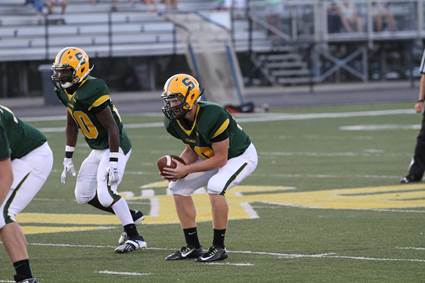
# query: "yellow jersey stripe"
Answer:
x=100 y=101
x=222 y=128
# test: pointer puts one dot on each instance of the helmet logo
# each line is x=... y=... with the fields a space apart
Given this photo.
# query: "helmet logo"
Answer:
x=187 y=82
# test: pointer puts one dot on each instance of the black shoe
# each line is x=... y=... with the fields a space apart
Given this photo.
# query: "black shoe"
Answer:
x=213 y=254
x=184 y=253
x=131 y=245
x=28 y=280
x=408 y=179
x=138 y=217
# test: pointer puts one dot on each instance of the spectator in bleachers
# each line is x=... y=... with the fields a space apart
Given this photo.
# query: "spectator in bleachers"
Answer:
x=38 y=5
x=351 y=20
x=171 y=4
x=51 y=3
x=382 y=17
x=334 y=18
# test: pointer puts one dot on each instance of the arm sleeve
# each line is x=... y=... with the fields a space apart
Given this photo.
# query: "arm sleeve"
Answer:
x=4 y=144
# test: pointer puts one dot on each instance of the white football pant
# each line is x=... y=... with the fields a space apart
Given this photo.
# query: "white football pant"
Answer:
x=30 y=172
x=92 y=177
x=217 y=181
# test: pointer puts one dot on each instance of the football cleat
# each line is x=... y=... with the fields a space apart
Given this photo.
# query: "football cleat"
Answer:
x=184 y=253
x=408 y=179
x=213 y=254
x=131 y=245
x=28 y=280
x=138 y=217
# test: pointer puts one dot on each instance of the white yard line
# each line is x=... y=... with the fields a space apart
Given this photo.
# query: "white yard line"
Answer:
x=230 y=263
x=329 y=255
x=108 y=272
x=411 y=248
x=249 y=210
x=250 y=119
x=382 y=127
x=375 y=258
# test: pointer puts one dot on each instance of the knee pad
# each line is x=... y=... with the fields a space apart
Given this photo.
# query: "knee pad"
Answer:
x=215 y=186
x=82 y=198
x=105 y=198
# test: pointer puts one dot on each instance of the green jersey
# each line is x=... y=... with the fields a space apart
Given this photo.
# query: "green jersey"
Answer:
x=212 y=124
x=91 y=97
x=18 y=137
x=4 y=143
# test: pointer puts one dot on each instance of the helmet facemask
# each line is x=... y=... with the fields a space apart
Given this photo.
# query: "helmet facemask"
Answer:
x=64 y=76
x=175 y=106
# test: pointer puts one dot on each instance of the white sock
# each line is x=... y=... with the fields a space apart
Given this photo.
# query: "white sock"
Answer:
x=123 y=212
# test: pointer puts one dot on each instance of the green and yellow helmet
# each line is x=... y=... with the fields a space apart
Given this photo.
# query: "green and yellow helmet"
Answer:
x=71 y=66
x=183 y=88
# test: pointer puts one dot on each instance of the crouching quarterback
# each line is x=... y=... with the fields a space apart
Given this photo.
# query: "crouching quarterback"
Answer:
x=217 y=154
x=91 y=110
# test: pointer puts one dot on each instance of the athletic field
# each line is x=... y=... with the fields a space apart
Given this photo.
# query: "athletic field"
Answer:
x=324 y=205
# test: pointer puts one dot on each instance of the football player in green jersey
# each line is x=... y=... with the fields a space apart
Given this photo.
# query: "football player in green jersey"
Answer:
x=90 y=109
x=218 y=154
x=31 y=159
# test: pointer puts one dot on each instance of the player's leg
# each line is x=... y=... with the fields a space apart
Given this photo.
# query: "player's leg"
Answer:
x=39 y=162
x=417 y=165
x=233 y=173
x=108 y=196
x=86 y=187
x=182 y=190
x=13 y=238
x=86 y=184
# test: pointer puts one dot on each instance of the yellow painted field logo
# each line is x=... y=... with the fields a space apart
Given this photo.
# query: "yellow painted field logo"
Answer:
x=240 y=199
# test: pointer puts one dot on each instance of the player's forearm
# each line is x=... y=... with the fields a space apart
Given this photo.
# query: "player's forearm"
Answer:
x=188 y=155
x=114 y=139
x=214 y=162
x=71 y=135
x=71 y=131
x=6 y=178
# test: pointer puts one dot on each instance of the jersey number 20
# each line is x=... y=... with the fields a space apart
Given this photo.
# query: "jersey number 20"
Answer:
x=86 y=125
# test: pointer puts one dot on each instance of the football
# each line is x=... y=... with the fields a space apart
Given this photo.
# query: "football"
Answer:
x=168 y=161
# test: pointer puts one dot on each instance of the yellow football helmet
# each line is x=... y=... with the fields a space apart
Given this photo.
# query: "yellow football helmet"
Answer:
x=182 y=89
x=71 y=66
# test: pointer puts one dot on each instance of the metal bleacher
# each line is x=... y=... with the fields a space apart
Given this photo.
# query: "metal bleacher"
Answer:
x=131 y=30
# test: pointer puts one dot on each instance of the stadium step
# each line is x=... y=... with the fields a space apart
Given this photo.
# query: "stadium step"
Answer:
x=284 y=67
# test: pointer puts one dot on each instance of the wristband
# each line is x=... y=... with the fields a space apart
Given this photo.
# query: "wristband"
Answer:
x=69 y=151
x=113 y=156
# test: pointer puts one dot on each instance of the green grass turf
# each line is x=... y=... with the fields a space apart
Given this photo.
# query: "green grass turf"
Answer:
x=309 y=155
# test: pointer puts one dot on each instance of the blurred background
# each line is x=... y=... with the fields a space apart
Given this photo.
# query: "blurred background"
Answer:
x=136 y=45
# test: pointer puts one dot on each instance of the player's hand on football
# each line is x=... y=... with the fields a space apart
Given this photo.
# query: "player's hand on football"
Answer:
x=112 y=174
x=68 y=168
x=179 y=172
